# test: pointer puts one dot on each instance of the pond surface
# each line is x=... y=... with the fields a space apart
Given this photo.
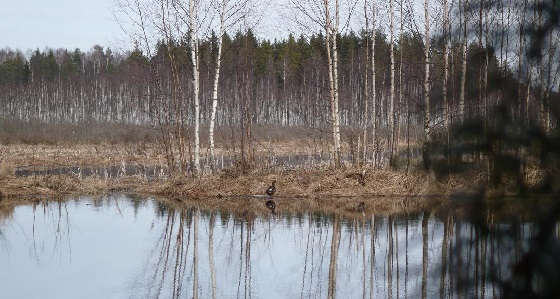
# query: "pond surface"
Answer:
x=127 y=247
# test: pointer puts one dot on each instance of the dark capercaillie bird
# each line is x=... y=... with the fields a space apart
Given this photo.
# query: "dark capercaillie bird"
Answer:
x=272 y=189
x=271 y=205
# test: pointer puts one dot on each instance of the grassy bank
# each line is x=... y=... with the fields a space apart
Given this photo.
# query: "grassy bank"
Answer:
x=24 y=176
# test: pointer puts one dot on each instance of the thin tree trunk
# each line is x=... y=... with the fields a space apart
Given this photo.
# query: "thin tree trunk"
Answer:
x=216 y=83
x=391 y=120
x=336 y=90
x=426 y=79
x=331 y=34
x=521 y=63
x=366 y=87
x=331 y=77
x=464 y=64
x=445 y=68
x=373 y=92
x=196 y=84
x=400 y=103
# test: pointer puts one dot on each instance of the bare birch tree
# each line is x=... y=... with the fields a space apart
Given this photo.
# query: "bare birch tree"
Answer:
x=366 y=84
x=427 y=74
x=445 y=67
x=193 y=37
x=464 y=62
x=391 y=119
x=331 y=31
x=216 y=80
x=230 y=12
x=373 y=90
x=319 y=13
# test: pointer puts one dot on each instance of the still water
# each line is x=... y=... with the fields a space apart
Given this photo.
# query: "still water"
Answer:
x=127 y=247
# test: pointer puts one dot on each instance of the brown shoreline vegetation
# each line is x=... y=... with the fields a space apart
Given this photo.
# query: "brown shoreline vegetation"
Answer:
x=350 y=190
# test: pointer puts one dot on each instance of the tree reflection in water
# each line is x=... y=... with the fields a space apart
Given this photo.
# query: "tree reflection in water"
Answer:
x=201 y=254
x=341 y=250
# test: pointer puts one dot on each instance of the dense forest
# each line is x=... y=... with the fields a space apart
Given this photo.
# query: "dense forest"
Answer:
x=390 y=80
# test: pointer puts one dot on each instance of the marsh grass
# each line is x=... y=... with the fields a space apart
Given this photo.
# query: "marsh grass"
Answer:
x=6 y=169
x=314 y=186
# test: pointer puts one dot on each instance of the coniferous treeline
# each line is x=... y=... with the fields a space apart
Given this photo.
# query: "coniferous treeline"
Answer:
x=281 y=83
x=406 y=85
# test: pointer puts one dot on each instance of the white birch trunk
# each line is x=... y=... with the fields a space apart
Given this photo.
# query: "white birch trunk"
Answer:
x=196 y=85
x=335 y=72
x=400 y=103
x=332 y=60
x=463 y=67
x=445 y=66
x=391 y=120
x=216 y=83
x=373 y=92
x=366 y=86
x=427 y=75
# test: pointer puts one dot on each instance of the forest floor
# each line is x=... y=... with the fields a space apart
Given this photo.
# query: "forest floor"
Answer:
x=31 y=172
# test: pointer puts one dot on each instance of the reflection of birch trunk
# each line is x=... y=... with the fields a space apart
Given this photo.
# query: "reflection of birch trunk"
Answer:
x=424 y=254
x=397 y=258
x=444 y=257
x=476 y=262
x=177 y=273
x=195 y=256
x=240 y=258
x=306 y=256
x=363 y=258
x=333 y=258
x=390 y=258
x=211 y=254
x=372 y=265
x=406 y=261
x=248 y=260
x=483 y=266
x=458 y=247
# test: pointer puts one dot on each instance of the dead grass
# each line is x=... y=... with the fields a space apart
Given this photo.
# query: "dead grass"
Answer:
x=324 y=189
x=6 y=170
x=311 y=184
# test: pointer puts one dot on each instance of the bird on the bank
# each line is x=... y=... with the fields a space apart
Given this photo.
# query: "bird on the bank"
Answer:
x=362 y=207
x=272 y=189
x=271 y=205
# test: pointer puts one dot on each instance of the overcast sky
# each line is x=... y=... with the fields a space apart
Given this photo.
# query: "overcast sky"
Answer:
x=31 y=24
